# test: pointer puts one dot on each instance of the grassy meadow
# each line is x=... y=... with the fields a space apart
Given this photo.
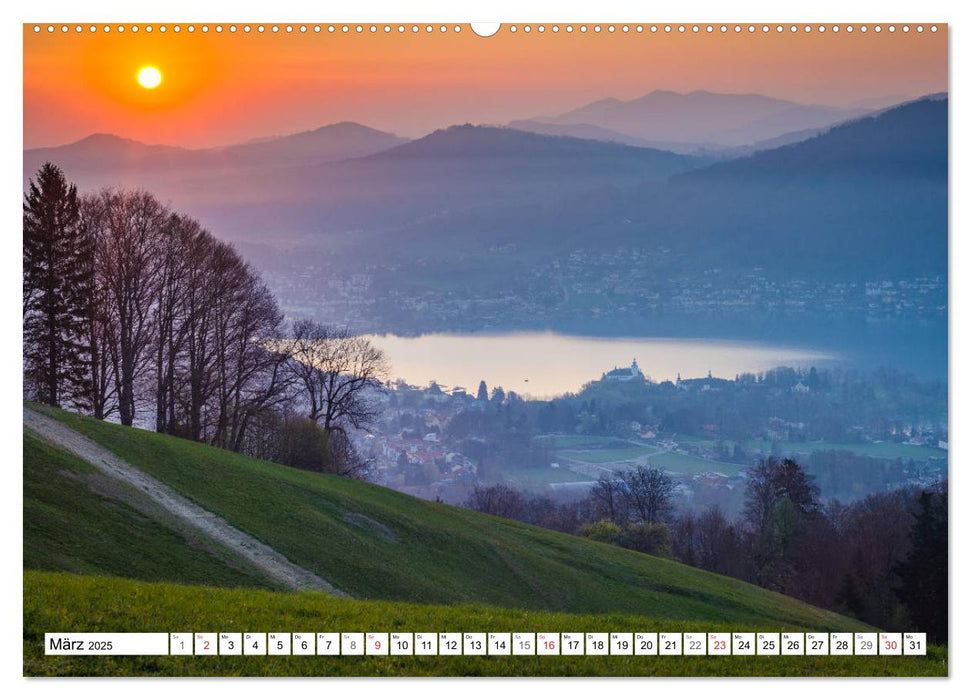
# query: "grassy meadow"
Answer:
x=66 y=603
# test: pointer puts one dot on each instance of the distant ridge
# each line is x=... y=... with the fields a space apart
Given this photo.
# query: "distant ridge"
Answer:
x=101 y=152
x=703 y=117
x=327 y=143
x=864 y=199
x=599 y=133
x=467 y=140
x=908 y=140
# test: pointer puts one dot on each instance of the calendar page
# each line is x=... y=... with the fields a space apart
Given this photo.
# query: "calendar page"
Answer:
x=550 y=348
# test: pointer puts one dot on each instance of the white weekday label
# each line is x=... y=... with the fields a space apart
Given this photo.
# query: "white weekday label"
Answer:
x=793 y=643
x=645 y=643
x=230 y=643
x=719 y=644
x=111 y=644
x=401 y=643
x=915 y=643
x=597 y=644
x=426 y=643
x=767 y=643
x=891 y=644
x=474 y=643
x=621 y=643
x=743 y=643
x=817 y=644
x=694 y=644
x=523 y=643
x=571 y=644
x=669 y=643
x=376 y=644
x=547 y=643
x=866 y=643
x=841 y=644
x=303 y=644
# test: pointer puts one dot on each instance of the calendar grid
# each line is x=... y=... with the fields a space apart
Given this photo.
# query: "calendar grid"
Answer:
x=488 y=644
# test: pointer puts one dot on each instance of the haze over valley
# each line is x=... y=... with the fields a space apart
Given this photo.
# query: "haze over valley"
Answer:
x=752 y=219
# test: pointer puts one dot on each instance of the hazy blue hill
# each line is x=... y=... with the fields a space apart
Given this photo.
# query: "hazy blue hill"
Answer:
x=704 y=117
x=713 y=151
x=599 y=133
x=328 y=143
x=449 y=173
x=104 y=159
x=867 y=198
x=908 y=141
x=863 y=200
x=100 y=153
x=296 y=185
x=469 y=141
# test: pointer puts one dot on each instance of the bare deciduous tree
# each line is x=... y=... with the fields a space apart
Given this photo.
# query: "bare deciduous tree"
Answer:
x=499 y=500
x=608 y=499
x=167 y=314
x=649 y=492
x=128 y=229
x=337 y=371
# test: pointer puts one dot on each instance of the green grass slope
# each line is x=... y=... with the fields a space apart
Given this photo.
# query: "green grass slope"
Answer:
x=69 y=603
x=75 y=520
x=376 y=543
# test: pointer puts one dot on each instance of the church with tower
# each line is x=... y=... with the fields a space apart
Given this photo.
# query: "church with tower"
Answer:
x=624 y=374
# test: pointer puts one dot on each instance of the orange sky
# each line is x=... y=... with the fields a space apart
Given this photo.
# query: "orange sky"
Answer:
x=225 y=88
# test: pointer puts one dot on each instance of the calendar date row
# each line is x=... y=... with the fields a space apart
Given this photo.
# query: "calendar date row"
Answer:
x=488 y=644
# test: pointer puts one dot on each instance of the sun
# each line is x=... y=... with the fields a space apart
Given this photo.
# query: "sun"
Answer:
x=149 y=77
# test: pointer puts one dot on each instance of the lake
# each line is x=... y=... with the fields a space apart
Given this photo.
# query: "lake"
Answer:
x=547 y=364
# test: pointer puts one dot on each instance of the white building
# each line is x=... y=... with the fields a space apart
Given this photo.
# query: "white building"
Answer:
x=625 y=374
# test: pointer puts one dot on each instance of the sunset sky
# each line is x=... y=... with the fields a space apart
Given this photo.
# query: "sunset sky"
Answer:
x=225 y=88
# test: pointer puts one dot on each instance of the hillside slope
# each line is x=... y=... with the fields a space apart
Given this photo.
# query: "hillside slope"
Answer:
x=158 y=501
x=376 y=543
x=79 y=521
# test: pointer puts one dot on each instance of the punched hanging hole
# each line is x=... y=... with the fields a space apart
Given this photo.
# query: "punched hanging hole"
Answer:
x=485 y=29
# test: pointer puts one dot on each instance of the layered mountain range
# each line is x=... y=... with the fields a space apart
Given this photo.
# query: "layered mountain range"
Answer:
x=722 y=179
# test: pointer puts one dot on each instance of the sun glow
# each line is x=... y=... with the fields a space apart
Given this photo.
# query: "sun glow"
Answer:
x=149 y=77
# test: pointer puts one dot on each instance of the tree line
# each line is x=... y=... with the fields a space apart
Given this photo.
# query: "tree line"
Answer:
x=135 y=313
x=881 y=559
x=841 y=405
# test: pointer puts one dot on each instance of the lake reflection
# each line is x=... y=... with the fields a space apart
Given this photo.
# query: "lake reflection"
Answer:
x=543 y=365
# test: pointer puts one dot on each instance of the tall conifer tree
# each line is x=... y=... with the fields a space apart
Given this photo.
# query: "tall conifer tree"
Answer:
x=58 y=270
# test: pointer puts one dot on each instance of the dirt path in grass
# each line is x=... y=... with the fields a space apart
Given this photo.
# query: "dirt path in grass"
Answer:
x=268 y=560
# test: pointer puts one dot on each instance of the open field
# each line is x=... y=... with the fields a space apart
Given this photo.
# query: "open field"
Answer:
x=70 y=603
x=691 y=465
x=883 y=450
x=570 y=441
x=688 y=465
x=706 y=443
x=535 y=477
x=594 y=456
